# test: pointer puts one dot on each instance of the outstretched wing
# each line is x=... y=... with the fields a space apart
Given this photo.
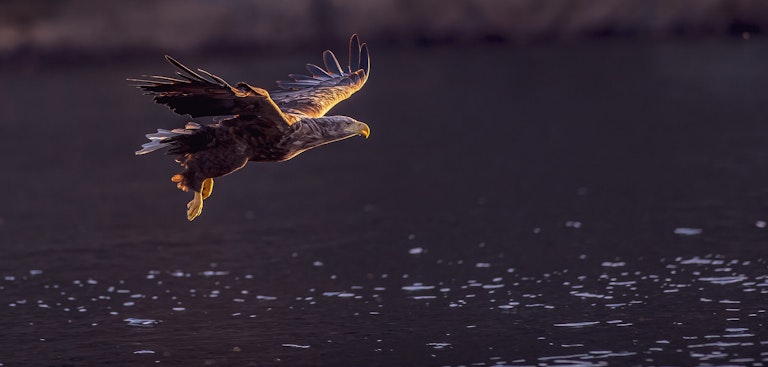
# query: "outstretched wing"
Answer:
x=313 y=95
x=204 y=94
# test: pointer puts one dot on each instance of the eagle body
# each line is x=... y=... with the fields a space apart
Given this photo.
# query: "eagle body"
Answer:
x=262 y=126
x=219 y=149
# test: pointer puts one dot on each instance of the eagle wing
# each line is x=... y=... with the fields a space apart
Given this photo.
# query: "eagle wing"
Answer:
x=313 y=95
x=204 y=94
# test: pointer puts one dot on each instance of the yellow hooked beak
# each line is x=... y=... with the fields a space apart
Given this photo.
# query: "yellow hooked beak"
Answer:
x=365 y=131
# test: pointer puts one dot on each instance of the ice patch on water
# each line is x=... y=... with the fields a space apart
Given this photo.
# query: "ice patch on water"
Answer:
x=588 y=295
x=424 y=297
x=578 y=324
x=300 y=346
x=686 y=231
x=211 y=273
x=627 y=283
x=417 y=287
x=439 y=345
x=132 y=321
x=724 y=280
x=695 y=260
x=573 y=224
x=179 y=274
x=492 y=286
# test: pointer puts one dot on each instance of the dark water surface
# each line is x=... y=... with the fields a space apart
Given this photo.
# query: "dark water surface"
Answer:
x=601 y=204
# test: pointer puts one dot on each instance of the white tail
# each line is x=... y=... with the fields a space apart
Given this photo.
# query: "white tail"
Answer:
x=160 y=138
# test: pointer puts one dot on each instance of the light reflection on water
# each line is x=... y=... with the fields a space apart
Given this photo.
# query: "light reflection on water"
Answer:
x=571 y=310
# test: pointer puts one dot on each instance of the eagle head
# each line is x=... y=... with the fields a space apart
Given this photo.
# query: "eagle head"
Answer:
x=313 y=132
x=341 y=127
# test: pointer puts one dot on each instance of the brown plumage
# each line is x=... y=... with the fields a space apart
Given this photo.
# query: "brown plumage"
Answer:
x=262 y=127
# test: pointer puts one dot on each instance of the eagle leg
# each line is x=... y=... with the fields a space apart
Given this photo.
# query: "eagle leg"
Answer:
x=195 y=207
x=207 y=188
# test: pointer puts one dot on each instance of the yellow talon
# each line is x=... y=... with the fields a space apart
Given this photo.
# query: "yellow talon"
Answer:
x=195 y=207
x=207 y=188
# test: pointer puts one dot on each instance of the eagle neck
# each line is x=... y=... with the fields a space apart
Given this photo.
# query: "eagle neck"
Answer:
x=311 y=132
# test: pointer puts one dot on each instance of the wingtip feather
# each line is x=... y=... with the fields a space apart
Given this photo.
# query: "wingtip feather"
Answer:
x=365 y=59
x=216 y=78
x=317 y=71
x=354 y=53
x=354 y=74
x=150 y=147
x=192 y=77
x=331 y=63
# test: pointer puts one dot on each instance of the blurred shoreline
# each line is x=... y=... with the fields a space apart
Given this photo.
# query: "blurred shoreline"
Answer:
x=58 y=31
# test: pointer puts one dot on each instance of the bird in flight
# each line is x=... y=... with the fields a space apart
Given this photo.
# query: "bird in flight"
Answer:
x=259 y=126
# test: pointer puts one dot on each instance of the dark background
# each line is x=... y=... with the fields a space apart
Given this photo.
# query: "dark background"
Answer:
x=97 y=29
x=546 y=183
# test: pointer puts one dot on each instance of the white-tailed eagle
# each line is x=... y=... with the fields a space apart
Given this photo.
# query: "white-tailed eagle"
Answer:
x=261 y=126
